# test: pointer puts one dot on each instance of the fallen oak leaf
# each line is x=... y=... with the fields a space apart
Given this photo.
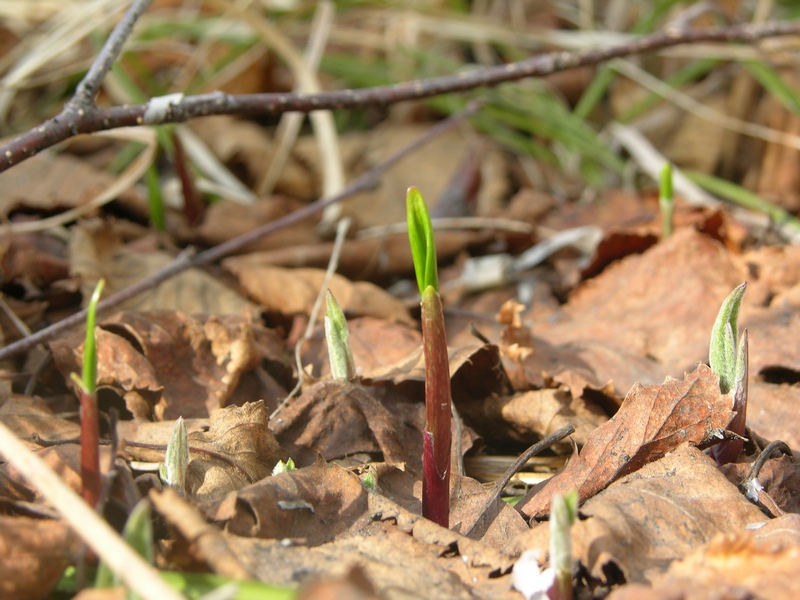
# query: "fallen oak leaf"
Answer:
x=652 y=421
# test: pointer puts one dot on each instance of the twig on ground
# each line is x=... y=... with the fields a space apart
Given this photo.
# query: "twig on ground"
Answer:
x=489 y=511
x=176 y=108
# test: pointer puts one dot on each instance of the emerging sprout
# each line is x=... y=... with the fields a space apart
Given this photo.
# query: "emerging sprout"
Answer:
x=283 y=467
x=437 y=436
x=555 y=582
x=173 y=471
x=666 y=204
x=339 y=352
x=729 y=361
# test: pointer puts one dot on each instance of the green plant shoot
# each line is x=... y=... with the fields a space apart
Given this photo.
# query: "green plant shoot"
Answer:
x=666 y=202
x=722 y=352
x=420 y=236
x=563 y=512
x=91 y=479
x=283 y=467
x=730 y=362
x=437 y=436
x=176 y=460
x=340 y=353
x=89 y=380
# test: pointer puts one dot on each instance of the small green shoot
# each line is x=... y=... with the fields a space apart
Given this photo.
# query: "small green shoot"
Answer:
x=91 y=483
x=722 y=351
x=666 y=203
x=437 y=436
x=368 y=480
x=420 y=236
x=176 y=460
x=729 y=361
x=283 y=467
x=554 y=582
x=89 y=379
x=138 y=532
x=340 y=354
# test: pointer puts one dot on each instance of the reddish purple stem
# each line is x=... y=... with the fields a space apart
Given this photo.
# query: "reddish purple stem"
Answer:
x=437 y=436
x=91 y=483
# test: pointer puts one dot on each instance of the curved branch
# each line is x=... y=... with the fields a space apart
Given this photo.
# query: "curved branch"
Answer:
x=177 y=108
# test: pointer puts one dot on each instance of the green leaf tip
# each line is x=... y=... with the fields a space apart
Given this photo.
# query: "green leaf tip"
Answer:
x=283 y=467
x=89 y=380
x=665 y=203
x=340 y=352
x=665 y=183
x=420 y=237
x=173 y=471
x=722 y=352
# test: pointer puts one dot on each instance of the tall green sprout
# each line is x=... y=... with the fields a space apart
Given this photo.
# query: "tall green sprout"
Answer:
x=437 y=437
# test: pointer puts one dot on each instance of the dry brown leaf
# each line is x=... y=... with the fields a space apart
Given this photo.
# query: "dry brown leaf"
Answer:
x=167 y=364
x=652 y=421
x=733 y=566
x=312 y=505
x=245 y=450
x=294 y=291
x=659 y=305
x=49 y=182
x=335 y=419
x=33 y=556
x=228 y=219
x=98 y=251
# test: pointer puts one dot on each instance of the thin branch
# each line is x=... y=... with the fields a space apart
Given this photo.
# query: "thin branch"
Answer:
x=90 y=84
x=176 y=108
x=185 y=261
x=490 y=508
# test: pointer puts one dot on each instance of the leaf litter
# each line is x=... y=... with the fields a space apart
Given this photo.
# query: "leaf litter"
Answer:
x=606 y=338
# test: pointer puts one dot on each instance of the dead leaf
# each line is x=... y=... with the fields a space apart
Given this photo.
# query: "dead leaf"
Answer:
x=658 y=305
x=52 y=181
x=311 y=505
x=376 y=344
x=239 y=448
x=294 y=291
x=97 y=251
x=33 y=556
x=335 y=419
x=652 y=421
x=167 y=364
x=733 y=566
x=632 y=531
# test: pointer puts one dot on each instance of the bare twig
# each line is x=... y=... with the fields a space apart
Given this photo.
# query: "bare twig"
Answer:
x=490 y=510
x=185 y=261
x=176 y=108
x=89 y=86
